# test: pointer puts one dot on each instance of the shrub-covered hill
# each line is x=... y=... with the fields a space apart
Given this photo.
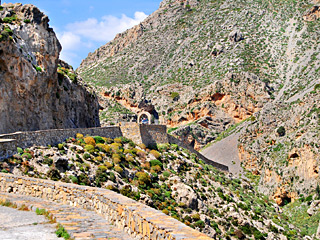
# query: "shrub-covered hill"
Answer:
x=169 y=179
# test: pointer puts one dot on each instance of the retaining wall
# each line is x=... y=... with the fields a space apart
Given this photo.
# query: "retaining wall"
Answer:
x=131 y=216
x=145 y=133
x=173 y=140
x=50 y=137
x=140 y=133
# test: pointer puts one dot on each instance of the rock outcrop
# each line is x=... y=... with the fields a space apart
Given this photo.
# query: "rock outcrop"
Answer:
x=32 y=95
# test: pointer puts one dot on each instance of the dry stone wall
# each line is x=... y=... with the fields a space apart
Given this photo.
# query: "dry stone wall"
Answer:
x=133 y=217
x=173 y=140
x=49 y=137
x=150 y=135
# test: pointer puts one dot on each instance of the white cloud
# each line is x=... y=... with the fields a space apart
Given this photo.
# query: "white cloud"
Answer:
x=93 y=33
x=106 y=28
x=70 y=41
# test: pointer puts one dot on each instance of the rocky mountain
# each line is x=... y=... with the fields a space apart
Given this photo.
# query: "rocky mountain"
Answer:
x=209 y=69
x=37 y=91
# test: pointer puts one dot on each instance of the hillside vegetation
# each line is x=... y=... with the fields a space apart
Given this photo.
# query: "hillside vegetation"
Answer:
x=169 y=179
x=212 y=68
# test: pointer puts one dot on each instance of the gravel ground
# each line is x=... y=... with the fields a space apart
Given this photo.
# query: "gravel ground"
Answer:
x=25 y=225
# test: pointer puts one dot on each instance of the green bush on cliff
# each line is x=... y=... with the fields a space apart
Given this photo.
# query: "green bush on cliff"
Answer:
x=9 y=19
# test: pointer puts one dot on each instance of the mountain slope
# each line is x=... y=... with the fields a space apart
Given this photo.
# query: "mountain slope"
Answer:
x=204 y=66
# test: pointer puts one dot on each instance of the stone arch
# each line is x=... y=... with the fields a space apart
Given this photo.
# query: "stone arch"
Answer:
x=143 y=115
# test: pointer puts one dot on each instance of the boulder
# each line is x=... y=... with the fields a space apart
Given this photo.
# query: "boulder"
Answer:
x=185 y=194
x=235 y=36
x=314 y=207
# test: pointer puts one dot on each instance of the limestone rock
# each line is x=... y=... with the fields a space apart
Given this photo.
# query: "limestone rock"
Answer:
x=235 y=36
x=312 y=14
x=314 y=207
x=32 y=96
x=318 y=232
x=185 y=194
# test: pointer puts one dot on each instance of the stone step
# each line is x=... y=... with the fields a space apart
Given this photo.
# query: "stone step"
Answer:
x=80 y=224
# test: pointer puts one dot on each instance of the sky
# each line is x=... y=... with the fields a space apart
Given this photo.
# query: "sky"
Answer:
x=83 y=26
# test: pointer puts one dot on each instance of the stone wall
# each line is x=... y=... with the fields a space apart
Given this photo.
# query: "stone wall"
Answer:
x=133 y=217
x=131 y=131
x=150 y=135
x=8 y=147
x=145 y=133
x=50 y=137
x=153 y=134
x=173 y=140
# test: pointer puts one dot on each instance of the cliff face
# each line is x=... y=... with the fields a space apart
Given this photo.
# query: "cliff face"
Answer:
x=32 y=95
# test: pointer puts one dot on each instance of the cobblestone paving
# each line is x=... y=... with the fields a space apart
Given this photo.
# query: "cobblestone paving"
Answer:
x=80 y=224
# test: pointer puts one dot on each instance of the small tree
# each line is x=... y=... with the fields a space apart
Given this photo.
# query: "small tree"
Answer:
x=281 y=131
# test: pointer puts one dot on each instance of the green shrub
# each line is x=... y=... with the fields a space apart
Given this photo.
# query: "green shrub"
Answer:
x=166 y=174
x=155 y=163
x=20 y=151
x=38 y=68
x=89 y=148
x=27 y=21
x=86 y=156
x=103 y=147
x=118 y=169
x=84 y=179
x=112 y=177
x=118 y=140
x=143 y=178
x=27 y=156
x=200 y=224
x=79 y=136
x=175 y=96
x=165 y=211
x=129 y=159
x=61 y=232
x=54 y=174
x=195 y=217
x=141 y=154
x=98 y=139
x=73 y=179
x=101 y=175
x=163 y=147
x=90 y=141
x=108 y=165
x=281 y=131
x=40 y=211
x=156 y=168
x=60 y=146
x=9 y=19
x=142 y=146
x=155 y=153
x=112 y=188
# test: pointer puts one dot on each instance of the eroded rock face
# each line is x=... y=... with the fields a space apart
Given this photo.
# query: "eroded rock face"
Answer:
x=31 y=95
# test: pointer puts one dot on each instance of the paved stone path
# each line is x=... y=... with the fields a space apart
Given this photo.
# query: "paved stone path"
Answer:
x=24 y=225
x=80 y=224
